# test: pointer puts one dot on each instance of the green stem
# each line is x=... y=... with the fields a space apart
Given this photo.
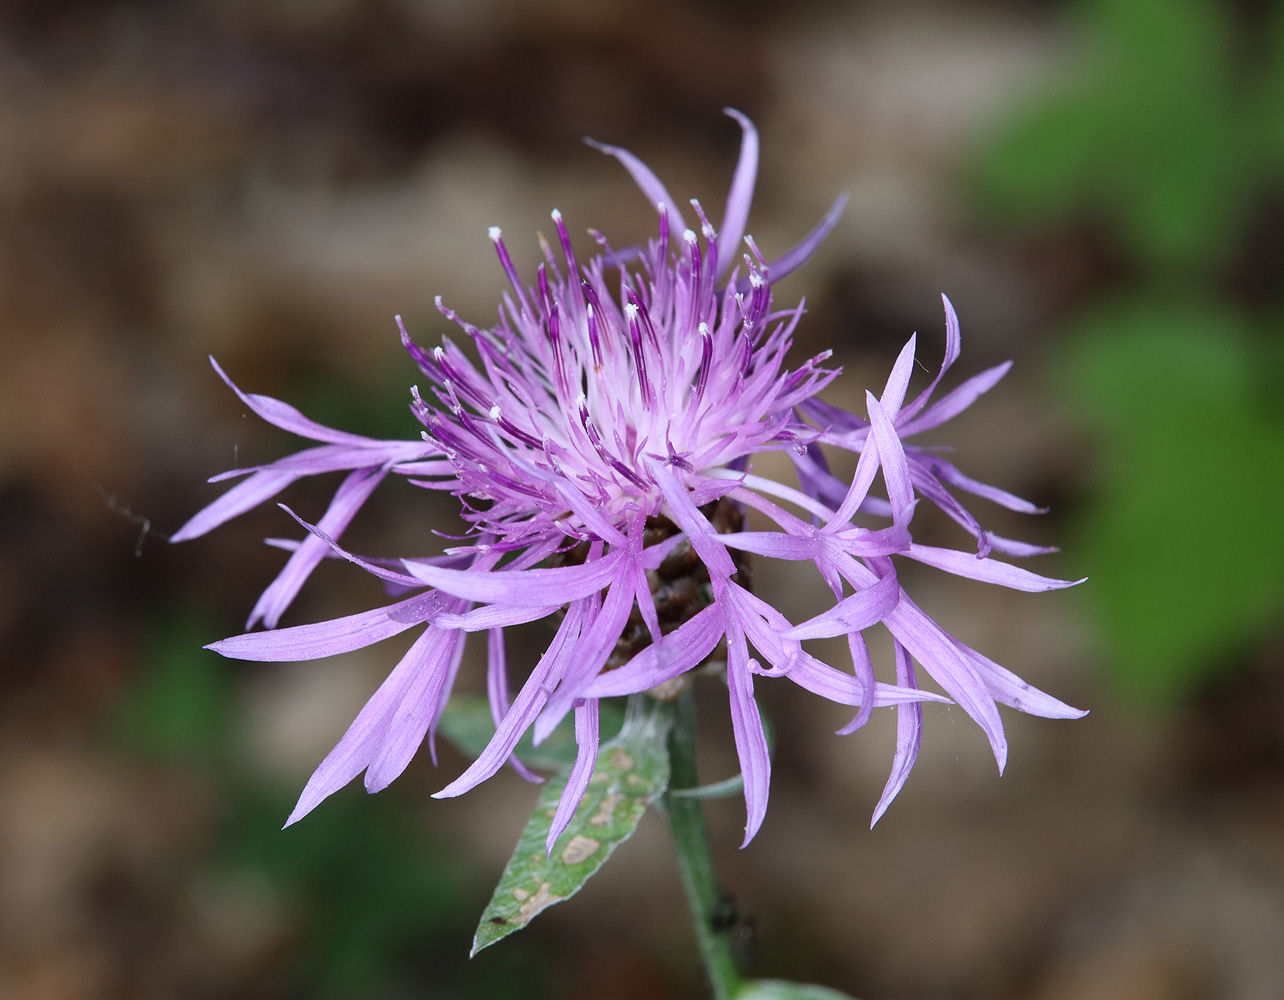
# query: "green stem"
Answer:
x=695 y=857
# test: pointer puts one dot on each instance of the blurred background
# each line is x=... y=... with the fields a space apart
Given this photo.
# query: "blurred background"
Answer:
x=1099 y=188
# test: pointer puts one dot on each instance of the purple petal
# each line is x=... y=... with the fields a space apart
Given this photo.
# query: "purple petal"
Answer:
x=259 y=488
x=530 y=699
x=336 y=458
x=774 y=544
x=793 y=259
x=898 y=381
x=312 y=642
x=453 y=664
x=746 y=726
x=986 y=570
x=858 y=491
x=844 y=689
x=953 y=345
x=851 y=614
x=909 y=734
x=424 y=468
x=681 y=650
x=375 y=568
x=1010 y=547
x=765 y=627
x=1011 y=690
x=358 y=745
x=704 y=537
x=740 y=197
x=891 y=457
x=949 y=473
x=650 y=185
x=930 y=487
x=354 y=491
x=530 y=587
x=497 y=693
x=863 y=669
x=645 y=599
x=586 y=740
x=492 y=617
x=286 y=417
x=956 y=400
x=587 y=658
x=867 y=543
x=928 y=643
x=408 y=721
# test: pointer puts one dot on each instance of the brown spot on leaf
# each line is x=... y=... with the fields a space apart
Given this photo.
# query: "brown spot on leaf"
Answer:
x=606 y=811
x=620 y=760
x=580 y=849
x=542 y=898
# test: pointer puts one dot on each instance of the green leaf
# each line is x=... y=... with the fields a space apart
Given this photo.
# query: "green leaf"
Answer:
x=1155 y=133
x=466 y=722
x=1182 y=539
x=632 y=771
x=778 y=989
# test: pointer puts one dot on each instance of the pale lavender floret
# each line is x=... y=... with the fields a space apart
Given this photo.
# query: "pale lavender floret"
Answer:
x=599 y=401
x=586 y=741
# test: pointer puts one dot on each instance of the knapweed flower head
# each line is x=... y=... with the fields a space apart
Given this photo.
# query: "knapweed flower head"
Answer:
x=601 y=439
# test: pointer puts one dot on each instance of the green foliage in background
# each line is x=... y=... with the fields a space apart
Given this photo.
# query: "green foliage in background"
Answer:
x=1161 y=133
x=1167 y=138
x=1185 y=538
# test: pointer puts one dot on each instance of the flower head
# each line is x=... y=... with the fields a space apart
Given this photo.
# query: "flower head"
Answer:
x=600 y=438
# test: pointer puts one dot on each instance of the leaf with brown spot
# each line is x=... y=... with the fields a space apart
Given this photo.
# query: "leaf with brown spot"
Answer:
x=632 y=772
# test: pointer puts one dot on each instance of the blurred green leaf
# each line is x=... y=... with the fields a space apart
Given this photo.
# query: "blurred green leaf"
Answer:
x=1154 y=134
x=466 y=722
x=1270 y=110
x=632 y=772
x=1184 y=538
x=179 y=706
x=372 y=883
x=778 y=989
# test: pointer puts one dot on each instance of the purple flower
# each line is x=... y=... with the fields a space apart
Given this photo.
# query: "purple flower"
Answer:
x=601 y=445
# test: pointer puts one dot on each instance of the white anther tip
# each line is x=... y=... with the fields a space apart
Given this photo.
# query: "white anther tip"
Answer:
x=630 y=311
x=494 y=232
x=494 y=412
x=689 y=236
x=555 y=215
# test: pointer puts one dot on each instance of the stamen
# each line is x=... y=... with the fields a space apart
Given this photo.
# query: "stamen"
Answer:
x=595 y=340
x=506 y=262
x=706 y=360
x=639 y=353
x=572 y=266
x=693 y=249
